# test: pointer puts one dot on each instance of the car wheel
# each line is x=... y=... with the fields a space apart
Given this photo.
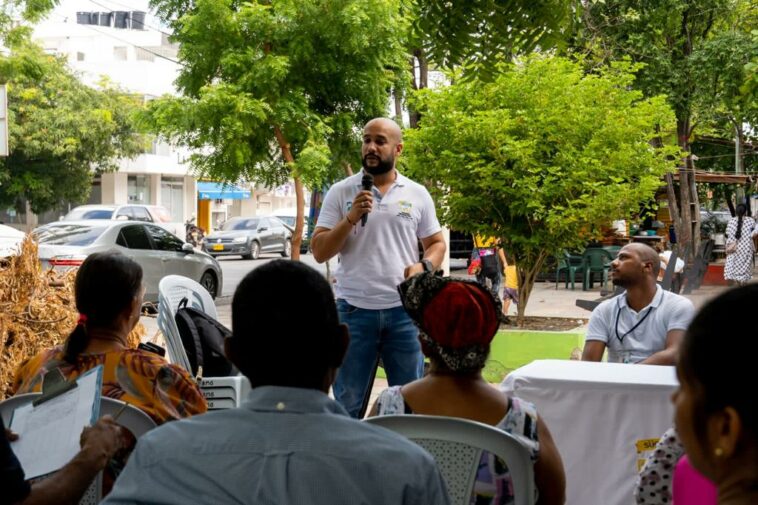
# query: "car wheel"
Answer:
x=255 y=251
x=208 y=281
x=287 y=249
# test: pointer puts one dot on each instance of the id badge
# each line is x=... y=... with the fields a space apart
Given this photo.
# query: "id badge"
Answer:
x=626 y=357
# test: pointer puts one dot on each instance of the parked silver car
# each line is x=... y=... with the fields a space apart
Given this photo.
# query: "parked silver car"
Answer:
x=249 y=237
x=67 y=243
x=132 y=212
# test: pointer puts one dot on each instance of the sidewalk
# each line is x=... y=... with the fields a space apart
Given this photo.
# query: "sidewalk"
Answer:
x=545 y=301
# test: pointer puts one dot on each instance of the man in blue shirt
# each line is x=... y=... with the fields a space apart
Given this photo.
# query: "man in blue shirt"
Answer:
x=289 y=442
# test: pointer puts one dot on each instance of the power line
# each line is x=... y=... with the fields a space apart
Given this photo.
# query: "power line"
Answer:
x=91 y=27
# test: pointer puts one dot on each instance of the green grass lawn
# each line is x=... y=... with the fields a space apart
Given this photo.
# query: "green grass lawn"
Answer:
x=512 y=349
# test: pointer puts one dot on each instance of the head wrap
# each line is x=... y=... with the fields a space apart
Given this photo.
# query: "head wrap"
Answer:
x=457 y=318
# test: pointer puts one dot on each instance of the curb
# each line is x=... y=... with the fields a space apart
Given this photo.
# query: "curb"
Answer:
x=223 y=300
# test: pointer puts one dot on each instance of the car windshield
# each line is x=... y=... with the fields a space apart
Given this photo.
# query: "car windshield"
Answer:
x=240 y=224
x=70 y=234
x=80 y=214
x=288 y=220
x=162 y=213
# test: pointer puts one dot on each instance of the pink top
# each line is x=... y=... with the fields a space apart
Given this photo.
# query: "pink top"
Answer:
x=691 y=487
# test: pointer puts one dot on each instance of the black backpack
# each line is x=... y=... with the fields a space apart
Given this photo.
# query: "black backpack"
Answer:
x=203 y=340
x=489 y=266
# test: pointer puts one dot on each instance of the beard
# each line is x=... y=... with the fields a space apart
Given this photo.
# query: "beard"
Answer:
x=384 y=165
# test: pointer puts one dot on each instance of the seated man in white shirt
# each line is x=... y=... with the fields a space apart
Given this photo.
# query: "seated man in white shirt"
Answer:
x=643 y=324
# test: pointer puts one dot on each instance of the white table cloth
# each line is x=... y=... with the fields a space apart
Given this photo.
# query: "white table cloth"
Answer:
x=604 y=418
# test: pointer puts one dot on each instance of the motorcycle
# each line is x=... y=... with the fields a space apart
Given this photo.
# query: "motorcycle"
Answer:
x=194 y=234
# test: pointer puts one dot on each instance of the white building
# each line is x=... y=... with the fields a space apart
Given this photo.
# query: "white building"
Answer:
x=121 y=41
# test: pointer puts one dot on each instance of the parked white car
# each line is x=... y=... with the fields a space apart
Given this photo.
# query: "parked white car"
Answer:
x=66 y=244
x=10 y=241
x=133 y=212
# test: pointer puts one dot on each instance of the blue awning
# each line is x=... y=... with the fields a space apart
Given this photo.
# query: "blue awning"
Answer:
x=220 y=191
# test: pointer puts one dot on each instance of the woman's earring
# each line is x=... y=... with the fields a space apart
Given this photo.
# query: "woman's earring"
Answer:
x=718 y=452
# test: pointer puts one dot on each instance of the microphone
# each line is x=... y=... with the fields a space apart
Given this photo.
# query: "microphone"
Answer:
x=366 y=183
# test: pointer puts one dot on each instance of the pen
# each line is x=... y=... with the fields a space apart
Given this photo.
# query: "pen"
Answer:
x=120 y=411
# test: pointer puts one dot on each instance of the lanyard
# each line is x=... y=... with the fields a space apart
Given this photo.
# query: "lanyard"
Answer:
x=618 y=313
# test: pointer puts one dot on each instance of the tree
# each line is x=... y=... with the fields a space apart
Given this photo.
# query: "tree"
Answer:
x=672 y=38
x=541 y=157
x=273 y=89
x=61 y=131
x=478 y=34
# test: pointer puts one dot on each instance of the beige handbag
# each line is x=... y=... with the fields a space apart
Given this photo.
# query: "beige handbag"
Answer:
x=731 y=247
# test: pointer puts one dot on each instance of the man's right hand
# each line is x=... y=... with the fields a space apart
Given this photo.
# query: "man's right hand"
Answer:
x=362 y=204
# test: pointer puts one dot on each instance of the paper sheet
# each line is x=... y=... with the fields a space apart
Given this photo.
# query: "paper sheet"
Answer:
x=49 y=433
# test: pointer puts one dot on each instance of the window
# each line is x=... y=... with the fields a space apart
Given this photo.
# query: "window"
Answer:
x=140 y=214
x=163 y=240
x=124 y=212
x=144 y=55
x=134 y=237
x=264 y=224
x=69 y=234
x=138 y=189
x=119 y=53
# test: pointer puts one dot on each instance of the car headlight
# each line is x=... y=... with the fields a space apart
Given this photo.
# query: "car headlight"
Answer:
x=239 y=240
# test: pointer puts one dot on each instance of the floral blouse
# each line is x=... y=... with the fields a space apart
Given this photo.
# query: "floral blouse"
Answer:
x=165 y=392
x=493 y=484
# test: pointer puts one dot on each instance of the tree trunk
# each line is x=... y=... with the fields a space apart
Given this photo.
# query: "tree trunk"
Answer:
x=348 y=169
x=420 y=81
x=688 y=199
x=398 y=99
x=297 y=235
x=738 y=157
x=526 y=278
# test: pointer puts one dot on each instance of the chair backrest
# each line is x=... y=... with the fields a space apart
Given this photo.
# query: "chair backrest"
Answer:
x=457 y=446
x=668 y=275
x=171 y=290
x=596 y=257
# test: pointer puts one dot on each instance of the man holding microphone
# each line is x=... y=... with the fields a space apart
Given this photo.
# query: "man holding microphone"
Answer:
x=374 y=220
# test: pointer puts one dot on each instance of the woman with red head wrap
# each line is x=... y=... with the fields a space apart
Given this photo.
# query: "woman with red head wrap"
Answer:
x=457 y=321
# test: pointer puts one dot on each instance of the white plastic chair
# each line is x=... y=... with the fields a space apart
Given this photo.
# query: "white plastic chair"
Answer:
x=171 y=290
x=457 y=446
x=132 y=418
x=137 y=421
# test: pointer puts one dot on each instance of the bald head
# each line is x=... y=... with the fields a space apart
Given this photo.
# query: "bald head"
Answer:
x=646 y=254
x=390 y=128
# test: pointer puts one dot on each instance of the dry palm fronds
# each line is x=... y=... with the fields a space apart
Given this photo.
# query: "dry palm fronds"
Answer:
x=37 y=311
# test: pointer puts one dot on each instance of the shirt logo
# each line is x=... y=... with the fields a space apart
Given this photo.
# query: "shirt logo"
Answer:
x=348 y=206
x=405 y=210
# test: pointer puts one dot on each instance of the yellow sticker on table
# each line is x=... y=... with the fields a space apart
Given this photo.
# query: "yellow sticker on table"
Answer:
x=644 y=448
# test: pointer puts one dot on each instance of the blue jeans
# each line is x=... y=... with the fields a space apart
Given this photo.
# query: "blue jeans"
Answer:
x=394 y=331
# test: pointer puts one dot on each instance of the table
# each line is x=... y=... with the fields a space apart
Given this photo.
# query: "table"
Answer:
x=604 y=417
x=650 y=240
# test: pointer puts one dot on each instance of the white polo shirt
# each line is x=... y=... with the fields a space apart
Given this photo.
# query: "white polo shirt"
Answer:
x=613 y=321
x=374 y=257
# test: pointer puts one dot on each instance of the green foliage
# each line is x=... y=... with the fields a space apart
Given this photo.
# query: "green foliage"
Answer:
x=60 y=130
x=694 y=51
x=314 y=69
x=541 y=157
x=477 y=34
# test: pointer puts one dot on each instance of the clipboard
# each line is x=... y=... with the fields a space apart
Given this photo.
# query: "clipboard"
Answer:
x=49 y=428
